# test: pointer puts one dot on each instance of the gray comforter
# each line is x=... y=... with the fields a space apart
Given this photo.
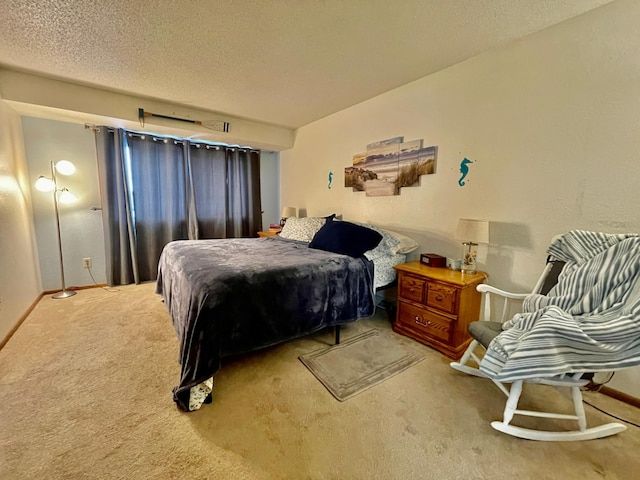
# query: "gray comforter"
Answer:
x=236 y=295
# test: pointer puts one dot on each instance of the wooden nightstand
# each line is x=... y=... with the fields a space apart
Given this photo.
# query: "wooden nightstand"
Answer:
x=435 y=305
x=269 y=233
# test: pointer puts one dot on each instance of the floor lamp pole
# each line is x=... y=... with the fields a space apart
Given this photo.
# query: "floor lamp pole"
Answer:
x=64 y=293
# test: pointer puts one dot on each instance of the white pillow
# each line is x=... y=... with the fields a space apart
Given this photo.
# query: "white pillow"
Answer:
x=392 y=243
x=387 y=246
x=405 y=244
x=302 y=229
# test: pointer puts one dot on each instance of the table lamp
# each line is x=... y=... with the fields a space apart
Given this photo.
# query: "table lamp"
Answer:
x=286 y=213
x=473 y=232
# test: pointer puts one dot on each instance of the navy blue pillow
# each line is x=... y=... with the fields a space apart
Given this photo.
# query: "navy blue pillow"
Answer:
x=345 y=238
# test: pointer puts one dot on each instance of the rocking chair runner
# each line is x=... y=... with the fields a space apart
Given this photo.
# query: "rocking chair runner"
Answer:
x=484 y=331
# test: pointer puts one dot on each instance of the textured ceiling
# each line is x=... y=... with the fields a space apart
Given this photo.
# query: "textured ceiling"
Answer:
x=284 y=62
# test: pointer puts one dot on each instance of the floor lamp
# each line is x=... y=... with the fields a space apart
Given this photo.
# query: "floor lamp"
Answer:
x=46 y=184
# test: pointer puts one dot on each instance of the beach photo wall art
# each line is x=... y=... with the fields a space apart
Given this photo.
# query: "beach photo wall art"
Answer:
x=388 y=165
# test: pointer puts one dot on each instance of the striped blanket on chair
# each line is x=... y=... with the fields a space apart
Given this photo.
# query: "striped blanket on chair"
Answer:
x=588 y=322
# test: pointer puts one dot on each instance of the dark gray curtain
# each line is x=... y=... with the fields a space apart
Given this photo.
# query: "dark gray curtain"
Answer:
x=157 y=189
x=243 y=193
x=208 y=164
x=160 y=204
x=116 y=209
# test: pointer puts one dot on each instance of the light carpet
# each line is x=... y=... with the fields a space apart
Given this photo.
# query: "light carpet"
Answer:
x=85 y=393
x=361 y=362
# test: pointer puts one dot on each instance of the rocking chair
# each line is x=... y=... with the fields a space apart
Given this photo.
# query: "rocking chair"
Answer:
x=485 y=330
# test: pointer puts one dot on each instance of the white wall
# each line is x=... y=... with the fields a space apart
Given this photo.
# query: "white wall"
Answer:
x=80 y=228
x=19 y=279
x=551 y=123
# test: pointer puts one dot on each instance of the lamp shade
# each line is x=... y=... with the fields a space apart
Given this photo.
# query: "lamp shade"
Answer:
x=45 y=184
x=65 y=167
x=289 y=212
x=67 y=197
x=476 y=231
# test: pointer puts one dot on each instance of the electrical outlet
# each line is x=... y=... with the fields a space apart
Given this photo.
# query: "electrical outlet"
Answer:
x=86 y=262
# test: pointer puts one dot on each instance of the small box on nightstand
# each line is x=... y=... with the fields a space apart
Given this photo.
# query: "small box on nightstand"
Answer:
x=433 y=260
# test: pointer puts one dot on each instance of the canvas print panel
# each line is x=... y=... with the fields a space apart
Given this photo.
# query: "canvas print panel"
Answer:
x=414 y=162
x=388 y=165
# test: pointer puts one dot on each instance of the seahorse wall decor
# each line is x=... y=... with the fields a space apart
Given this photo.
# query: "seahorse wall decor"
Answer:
x=330 y=180
x=464 y=170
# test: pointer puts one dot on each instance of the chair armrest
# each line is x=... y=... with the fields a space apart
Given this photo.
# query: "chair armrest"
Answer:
x=484 y=288
x=509 y=297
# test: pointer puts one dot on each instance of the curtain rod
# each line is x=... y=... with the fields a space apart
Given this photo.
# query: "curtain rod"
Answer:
x=176 y=140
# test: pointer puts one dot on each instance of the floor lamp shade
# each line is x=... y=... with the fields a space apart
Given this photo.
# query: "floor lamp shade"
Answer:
x=65 y=167
x=45 y=184
x=473 y=232
x=62 y=195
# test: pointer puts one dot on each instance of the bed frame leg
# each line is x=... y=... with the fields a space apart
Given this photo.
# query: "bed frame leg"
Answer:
x=337 y=334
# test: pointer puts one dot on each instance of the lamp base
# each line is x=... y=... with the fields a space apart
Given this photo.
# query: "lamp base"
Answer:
x=469 y=253
x=64 y=294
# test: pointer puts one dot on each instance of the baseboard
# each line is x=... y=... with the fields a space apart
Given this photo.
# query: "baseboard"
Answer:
x=97 y=285
x=20 y=321
x=618 y=395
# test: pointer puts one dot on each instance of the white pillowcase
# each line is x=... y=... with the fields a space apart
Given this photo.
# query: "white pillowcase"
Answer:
x=385 y=248
x=405 y=244
x=391 y=243
x=302 y=229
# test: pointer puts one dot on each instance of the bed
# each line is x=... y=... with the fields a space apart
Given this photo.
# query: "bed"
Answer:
x=232 y=296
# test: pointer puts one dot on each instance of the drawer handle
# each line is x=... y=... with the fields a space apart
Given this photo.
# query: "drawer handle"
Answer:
x=412 y=290
x=419 y=321
x=439 y=298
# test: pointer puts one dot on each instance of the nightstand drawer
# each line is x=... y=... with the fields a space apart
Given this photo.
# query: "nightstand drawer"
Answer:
x=442 y=297
x=412 y=288
x=423 y=321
